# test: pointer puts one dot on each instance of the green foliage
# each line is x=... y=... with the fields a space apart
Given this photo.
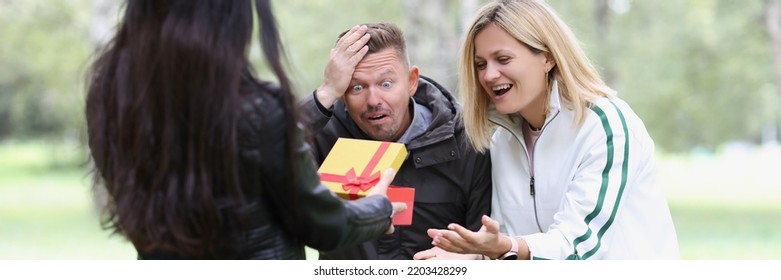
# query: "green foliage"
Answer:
x=40 y=157
x=693 y=70
x=45 y=45
x=310 y=29
x=697 y=72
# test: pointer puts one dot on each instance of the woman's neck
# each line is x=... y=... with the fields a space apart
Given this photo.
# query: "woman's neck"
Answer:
x=534 y=113
x=535 y=119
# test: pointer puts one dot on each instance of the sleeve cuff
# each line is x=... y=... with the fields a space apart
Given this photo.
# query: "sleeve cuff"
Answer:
x=323 y=110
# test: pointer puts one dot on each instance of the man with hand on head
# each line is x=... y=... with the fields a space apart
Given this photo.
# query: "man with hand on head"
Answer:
x=370 y=91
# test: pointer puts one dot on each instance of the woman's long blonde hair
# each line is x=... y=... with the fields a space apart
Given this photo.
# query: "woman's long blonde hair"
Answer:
x=537 y=26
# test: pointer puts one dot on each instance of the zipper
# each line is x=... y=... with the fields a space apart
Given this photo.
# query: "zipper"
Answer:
x=531 y=183
x=531 y=170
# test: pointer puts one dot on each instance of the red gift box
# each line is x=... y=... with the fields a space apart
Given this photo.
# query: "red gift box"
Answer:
x=406 y=195
x=353 y=166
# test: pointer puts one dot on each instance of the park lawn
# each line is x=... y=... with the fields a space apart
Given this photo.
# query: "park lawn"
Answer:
x=46 y=211
x=725 y=206
x=51 y=216
x=728 y=232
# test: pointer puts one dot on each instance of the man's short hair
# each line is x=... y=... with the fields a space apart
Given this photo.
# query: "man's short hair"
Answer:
x=385 y=35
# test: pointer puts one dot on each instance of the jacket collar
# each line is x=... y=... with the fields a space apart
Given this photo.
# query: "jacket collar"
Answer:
x=421 y=120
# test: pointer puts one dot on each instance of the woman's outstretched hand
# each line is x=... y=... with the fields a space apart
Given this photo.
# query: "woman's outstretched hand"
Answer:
x=457 y=239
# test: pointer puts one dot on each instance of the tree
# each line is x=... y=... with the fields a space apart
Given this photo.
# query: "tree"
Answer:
x=432 y=38
x=699 y=73
x=771 y=19
x=309 y=29
x=602 y=17
x=43 y=57
x=693 y=70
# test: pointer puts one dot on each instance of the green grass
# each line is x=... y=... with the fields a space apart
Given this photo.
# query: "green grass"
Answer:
x=728 y=232
x=46 y=207
x=724 y=207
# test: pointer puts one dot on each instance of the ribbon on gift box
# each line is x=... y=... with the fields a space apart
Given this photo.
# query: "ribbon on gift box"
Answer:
x=354 y=184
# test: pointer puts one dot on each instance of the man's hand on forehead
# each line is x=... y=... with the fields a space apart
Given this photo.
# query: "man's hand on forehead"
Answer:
x=349 y=50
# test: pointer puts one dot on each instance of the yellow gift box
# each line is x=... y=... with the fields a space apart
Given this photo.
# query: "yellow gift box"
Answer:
x=353 y=166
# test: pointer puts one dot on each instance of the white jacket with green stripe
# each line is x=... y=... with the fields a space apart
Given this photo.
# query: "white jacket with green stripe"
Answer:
x=594 y=193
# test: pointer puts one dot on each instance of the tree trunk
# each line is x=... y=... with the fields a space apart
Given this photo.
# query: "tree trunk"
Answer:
x=773 y=30
x=468 y=11
x=602 y=29
x=772 y=15
x=103 y=20
x=101 y=29
x=432 y=39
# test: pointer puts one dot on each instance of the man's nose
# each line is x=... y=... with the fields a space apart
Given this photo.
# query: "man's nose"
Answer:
x=373 y=97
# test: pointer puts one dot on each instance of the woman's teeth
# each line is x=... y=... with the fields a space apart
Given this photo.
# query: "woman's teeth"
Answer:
x=501 y=89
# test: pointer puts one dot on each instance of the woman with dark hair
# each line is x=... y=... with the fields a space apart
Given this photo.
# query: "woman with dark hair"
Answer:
x=200 y=158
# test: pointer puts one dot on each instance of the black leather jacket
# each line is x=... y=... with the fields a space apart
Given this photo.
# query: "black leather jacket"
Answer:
x=285 y=214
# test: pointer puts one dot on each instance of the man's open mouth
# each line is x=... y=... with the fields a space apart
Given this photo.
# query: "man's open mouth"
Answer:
x=377 y=117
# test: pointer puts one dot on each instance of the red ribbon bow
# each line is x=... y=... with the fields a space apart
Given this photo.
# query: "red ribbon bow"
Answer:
x=354 y=184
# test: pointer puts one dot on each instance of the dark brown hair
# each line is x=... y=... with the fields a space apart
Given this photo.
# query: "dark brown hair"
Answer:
x=161 y=118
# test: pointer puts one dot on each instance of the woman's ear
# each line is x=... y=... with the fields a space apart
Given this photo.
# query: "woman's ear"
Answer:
x=549 y=62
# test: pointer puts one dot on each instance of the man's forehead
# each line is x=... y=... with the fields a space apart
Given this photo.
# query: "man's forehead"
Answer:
x=378 y=65
x=375 y=72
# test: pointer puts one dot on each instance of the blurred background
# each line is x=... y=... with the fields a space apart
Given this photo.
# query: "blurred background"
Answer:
x=705 y=76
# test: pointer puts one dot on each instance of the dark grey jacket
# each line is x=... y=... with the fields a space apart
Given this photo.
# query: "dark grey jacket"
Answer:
x=287 y=213
x=452 y=181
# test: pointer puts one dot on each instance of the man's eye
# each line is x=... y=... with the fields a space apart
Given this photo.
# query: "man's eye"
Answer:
x=357 y=88
x=387 y=84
